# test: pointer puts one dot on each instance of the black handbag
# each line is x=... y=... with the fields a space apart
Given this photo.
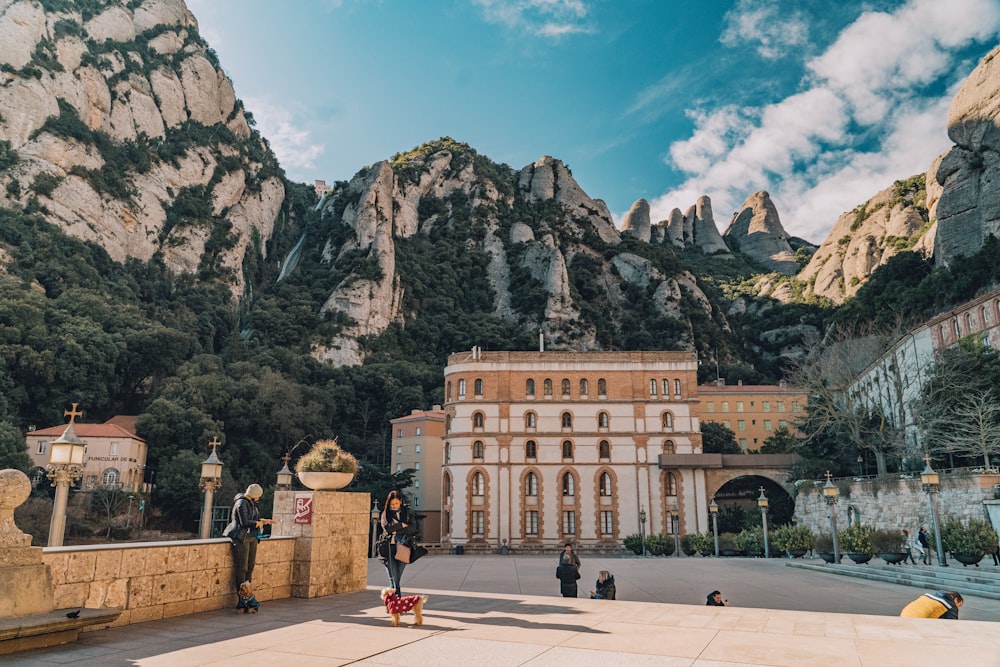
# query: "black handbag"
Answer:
x=417 y=551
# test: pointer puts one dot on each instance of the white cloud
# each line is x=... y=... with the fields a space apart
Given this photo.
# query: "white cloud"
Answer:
x=804 y=149
x=543 y=18
x=293 y=145
x=771 y=29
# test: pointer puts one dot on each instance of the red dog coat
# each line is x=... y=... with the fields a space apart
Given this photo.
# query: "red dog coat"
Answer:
x=400 y=605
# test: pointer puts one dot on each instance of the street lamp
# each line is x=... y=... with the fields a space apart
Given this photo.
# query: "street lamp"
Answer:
x=861 y=461
x=762 y=504
x=931 y=483
x=713 y=507
x=642 y=533
x=675 y=523
x=830 y=493
x=65 y=466
x=285 y=475
x=375 y=517
x=211 y=480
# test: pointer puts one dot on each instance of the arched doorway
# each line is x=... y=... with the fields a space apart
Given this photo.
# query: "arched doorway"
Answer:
x=738 y=509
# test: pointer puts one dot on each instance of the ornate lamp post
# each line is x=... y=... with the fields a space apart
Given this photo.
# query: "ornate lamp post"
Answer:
x=830 y=493
x=375 y=514
x=211 y=480
x=713 y=507
x=931 y=483
x=762 y=504
x=675 y=524
x=642 y=531
x=65 y=466
x=285 y=475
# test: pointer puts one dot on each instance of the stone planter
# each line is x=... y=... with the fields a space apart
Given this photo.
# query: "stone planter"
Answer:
x=828 y=557
x=707 y=552
x=967 y=559
x=860 y=559
x=325 y=481
x=893 y=557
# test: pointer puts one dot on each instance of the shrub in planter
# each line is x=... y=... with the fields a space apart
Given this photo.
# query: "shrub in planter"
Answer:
x=703 y=543
x=824 y=544
x=789 y=538
x=857 y=539
x=751 y=541
x=885 y=541
x=660 y=545
x=686 y=546
x=633 y=543
x=727 y=543
x=327 y=456
x=974 y=538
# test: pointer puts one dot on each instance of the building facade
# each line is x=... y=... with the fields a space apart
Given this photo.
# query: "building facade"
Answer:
x=417 y=444
x=114 y=456
x=752 y=412
x=543 y=448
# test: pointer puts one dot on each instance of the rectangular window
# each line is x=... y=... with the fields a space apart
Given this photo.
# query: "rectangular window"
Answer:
x=531 y=522
x=766 y=405
x=767 y=425
x=710 y=407
x=418 y=465
x=725 y=406
x=41 y=446
x=416 y=483
x=728 y=424
x=477 y=522
x=795 y=406
x=399 y=450
x=418 y=449
x=461 y=388
x=399 y=433
x=652 y=387
x=741 y=425
x=607 y=522
x=739 y=406
x=419 y=430
x=782 y=423
x=743 y=444
x=399 y=467
x=114 y=449
x=781 y=406
x=569 y=523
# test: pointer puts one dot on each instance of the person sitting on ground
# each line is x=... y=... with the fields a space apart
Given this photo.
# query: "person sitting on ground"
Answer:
x=605 y=587
x=939 y=604
x=714 y=599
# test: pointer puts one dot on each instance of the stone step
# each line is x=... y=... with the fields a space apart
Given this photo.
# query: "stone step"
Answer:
x=982 y=583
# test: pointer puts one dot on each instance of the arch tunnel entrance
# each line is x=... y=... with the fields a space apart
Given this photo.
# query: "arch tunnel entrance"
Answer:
x=738 y=509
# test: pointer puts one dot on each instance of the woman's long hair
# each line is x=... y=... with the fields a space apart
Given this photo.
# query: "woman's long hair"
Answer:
x=389 y=498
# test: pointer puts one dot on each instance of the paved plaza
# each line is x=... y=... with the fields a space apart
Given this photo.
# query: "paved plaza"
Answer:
x=497 y=610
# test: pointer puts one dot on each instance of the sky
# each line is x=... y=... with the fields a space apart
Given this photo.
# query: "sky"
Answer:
x=821 y=103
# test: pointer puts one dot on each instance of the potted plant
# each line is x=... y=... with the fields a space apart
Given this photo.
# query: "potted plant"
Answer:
x=794 y=540
x=686 y=545
x=824 y=547
x=660 y=545
x=856 y=542
x=703 y=543
x=890 y=545
x=751 y=541
x=727 y=545
x=968 y=542
x=326 y=467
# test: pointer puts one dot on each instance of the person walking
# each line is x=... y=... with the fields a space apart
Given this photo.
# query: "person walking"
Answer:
x=243 y=531
x=908 y=547
x=924 y=539
x=568 y=571
x=398 y=526
x=939 y=604
x=605 y=587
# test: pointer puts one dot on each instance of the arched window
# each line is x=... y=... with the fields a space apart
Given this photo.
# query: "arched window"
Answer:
x=603 y=420
x=666 y=387
x=529 y=387
x=668 y=446
x=478 y=484
x=461 y=388
x=568 y=485
x=530 y=449
x=478 y=420
x=652 y=387
x=547 y=387
x=446 y=487
x=111 y=477
x=447 y=392
x=567 y=449
x=955 y=325
x=477 y=449
x=604 y=449
x=530 y=420
x=531 y=484
x=567 y=420
x=447 y=423
x=605 y=489
x=565 y=386
x=602 y=387
x=668 y=421
x=677 y=388
x=669 y=485
x=584 y=387
x=984 y=315
x=478 y=386
x=447 y=452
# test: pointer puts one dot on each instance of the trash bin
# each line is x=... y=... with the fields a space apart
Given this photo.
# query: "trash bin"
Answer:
x=459 y=549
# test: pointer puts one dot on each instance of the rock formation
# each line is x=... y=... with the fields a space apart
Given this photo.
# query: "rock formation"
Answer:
x=756 y=232
x=694 y=229
x=636 y=222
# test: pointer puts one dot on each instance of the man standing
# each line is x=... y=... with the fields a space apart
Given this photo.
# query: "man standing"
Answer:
x=568 y=572
x=925 y=544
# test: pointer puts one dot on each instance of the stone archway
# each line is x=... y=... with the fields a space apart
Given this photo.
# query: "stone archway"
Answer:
x=737 y=501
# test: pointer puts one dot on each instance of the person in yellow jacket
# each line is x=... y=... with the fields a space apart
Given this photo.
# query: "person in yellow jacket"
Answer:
x=939 y=604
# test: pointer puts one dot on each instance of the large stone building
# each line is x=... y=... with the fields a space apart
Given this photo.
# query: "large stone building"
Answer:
x=752 y=412
x=417 y=441
x=541 y=448
x=114 y=455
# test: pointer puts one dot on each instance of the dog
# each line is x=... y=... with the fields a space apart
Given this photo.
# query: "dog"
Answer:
x=397 y=606
x=248 y=603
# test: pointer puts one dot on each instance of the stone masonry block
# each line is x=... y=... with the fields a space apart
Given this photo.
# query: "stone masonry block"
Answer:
x=108 y=594
x=80 y=566
x=133 y=562
x=171 y=587
x=108 y=564
x=177 y=559
x=70 y=595
x=140 y=592
x=57 y=566
x=158 y=561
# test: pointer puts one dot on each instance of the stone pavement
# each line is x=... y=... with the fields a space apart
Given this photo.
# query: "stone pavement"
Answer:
x=496 y=610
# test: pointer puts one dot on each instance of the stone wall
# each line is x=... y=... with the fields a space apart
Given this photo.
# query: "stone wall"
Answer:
x=157 y=580
x=892 y=502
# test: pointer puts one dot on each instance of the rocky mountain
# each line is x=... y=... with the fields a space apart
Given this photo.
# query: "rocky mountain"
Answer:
x=756 y=231
x=118 y=125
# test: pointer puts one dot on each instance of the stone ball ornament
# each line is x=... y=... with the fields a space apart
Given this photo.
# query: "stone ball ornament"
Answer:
x=15 y=487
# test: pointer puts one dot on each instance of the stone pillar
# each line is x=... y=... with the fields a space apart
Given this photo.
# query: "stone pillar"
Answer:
x=25 y=581
x=331 y=551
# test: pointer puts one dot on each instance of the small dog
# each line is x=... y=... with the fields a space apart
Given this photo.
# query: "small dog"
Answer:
x=396 y=606
x=248 y=603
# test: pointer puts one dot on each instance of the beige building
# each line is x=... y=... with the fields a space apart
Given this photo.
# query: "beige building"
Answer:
x=541 y=448
x=752 y=412
x=417 y=441
x=113 y=456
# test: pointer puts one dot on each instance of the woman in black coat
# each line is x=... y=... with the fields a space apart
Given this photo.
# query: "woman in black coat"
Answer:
x=398 y=526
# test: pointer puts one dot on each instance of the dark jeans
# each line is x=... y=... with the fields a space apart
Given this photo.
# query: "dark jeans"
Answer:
x=394 y=569
x=244 y=558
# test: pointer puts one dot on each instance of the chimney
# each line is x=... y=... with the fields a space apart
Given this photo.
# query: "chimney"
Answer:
x=541 y=341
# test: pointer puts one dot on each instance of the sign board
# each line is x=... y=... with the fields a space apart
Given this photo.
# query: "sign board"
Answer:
x=303 y=509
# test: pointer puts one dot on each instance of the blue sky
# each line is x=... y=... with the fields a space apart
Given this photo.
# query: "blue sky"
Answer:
x=820 y=103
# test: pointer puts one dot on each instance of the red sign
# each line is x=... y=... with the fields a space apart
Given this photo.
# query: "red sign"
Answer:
x=303 y=509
